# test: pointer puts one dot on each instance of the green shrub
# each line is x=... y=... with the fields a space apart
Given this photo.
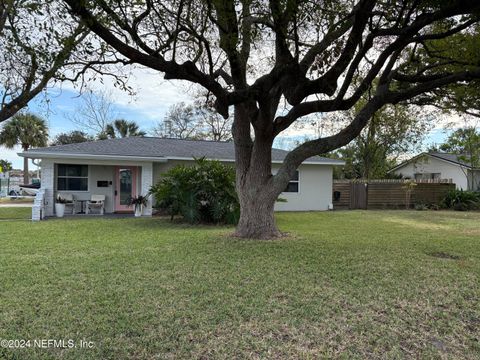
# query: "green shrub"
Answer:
x=462 y=200
x=204 y=192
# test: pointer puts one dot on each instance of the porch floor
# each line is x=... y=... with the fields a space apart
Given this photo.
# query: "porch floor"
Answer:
x=105 y=216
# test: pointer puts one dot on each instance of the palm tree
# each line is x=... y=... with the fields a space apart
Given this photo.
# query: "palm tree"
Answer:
x=5 y=166
x=122 y=128
x=27 y=130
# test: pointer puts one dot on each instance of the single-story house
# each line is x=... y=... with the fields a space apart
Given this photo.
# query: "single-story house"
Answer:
x=124 y=167
x=436 y=165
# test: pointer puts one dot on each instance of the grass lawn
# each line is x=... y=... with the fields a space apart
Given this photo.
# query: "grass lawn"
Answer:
x=19 y=200
x=359 y=284
x=14 y=213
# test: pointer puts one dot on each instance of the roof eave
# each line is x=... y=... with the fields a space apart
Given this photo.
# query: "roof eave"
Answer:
x=465 y=166
x=432 y=155
x=406 y=162
x=339 y=163
x=58 y=155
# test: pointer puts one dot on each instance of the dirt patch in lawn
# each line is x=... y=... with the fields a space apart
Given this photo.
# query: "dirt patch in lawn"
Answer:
x=418 y=224
x=444 y=255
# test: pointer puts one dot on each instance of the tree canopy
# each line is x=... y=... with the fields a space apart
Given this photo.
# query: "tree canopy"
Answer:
x=72 y=137
x=391 y=132
x=462 y=141
x=308 y=48
x=37 y=41
x=5 y=165
x=459 y=51
x=180 y=122
x=121 y=128
x=93 y=112
x=465 y=143
x=194 y=121
x=42 y=45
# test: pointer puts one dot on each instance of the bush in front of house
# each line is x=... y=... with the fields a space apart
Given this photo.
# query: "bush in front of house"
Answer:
x=462 y=200
x=204 y=192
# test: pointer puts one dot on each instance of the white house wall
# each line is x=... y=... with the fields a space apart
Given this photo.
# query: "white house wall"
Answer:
x=95 y=173
x=314 y=189
x=429 y=164
x=145 y=184
x=315 y=183
x=315 y=186
x=48 y=183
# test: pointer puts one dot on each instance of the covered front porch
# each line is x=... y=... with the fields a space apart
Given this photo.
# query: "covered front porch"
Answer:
x=115 y=181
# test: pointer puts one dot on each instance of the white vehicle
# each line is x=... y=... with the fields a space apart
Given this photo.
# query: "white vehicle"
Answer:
x=24 y=190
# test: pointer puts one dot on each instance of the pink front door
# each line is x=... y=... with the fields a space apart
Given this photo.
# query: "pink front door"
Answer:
x=125 y=187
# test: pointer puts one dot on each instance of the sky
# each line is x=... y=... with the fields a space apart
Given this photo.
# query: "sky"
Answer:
x=153 y=96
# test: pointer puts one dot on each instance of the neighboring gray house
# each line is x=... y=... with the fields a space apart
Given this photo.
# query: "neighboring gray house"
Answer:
x=435 y=165
x=124 y=167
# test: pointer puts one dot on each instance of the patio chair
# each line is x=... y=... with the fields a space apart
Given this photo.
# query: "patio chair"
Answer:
x=70 y=202
x=96 y=202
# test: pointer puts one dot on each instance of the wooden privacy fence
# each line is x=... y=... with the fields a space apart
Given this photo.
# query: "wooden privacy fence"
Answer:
x=387 y=193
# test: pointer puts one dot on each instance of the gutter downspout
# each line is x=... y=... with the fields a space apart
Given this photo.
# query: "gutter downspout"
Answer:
x=36 y=162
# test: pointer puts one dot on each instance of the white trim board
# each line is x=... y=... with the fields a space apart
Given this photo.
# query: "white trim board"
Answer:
x=49 y=155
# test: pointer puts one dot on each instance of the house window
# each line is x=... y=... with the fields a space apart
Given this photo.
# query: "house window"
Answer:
x=72 y=177
x=427 y=176
x=293 y=184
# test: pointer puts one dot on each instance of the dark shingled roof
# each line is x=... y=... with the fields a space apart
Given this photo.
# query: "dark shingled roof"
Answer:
x=160 y=147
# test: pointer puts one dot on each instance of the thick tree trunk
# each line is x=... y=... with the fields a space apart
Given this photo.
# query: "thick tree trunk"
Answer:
x=256 y=190
x=257 y=219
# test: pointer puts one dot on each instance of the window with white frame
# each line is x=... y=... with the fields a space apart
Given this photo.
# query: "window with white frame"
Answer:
x=72 y=177
x=294 y=183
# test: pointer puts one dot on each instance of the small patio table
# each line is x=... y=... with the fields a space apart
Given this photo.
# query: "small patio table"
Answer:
x=82 y=206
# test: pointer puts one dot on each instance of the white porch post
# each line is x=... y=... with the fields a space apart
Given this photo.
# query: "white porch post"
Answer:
x=48 y=183
x=147 y=182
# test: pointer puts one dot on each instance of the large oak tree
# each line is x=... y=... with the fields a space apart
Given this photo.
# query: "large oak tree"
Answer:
x=277 y=61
